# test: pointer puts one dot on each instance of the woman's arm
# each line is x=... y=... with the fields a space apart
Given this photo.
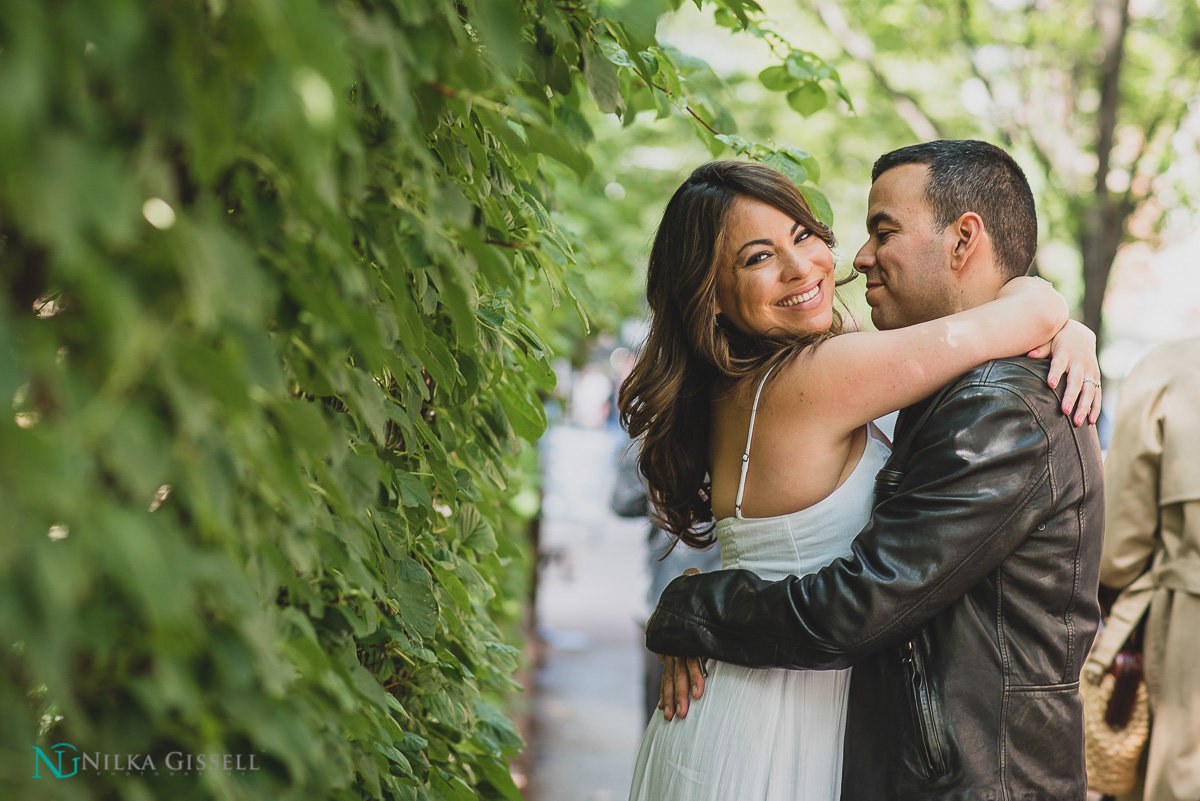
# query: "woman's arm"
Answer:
x=854 y=378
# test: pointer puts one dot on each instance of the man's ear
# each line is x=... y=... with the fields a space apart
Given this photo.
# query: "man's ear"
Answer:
x=967 y=235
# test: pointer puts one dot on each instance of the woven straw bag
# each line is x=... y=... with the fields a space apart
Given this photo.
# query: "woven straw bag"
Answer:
x=1112 y=754
x=1115 y=729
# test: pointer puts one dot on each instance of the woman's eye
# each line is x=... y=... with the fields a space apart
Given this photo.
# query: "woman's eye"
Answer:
x=757 y=258
x=804 y=234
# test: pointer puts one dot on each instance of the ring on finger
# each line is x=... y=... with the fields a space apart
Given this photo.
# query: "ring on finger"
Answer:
x=1094 y=381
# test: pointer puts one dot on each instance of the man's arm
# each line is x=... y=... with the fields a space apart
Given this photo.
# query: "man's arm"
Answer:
x=976 y=484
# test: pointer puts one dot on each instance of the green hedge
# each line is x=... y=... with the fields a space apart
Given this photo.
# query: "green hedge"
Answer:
x=270 y=270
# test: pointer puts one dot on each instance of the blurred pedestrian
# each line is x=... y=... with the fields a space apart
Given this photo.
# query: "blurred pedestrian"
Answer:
x=666 y=558
x=1152 y=480
x=591 y=396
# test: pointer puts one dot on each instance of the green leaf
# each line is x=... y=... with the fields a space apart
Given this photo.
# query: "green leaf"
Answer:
x=452 y=788
x=411 y=742
x=800 y=67
x=494 y=730
x=454 y=587
x=668 y=74
x=400 y=764
x=615 y=53
x=475 y=531
x=414 y=593
x=557 y=148
x=786 y=164
x=726 y=18
x=602 y=80
x=637 y=20
x=527 y=415
x=808 y=99
x=778 y=79
x=807 y=160
x=441 y=364
x=499 y=775
x=818 y=203
x=412 y=492
x=739 y=145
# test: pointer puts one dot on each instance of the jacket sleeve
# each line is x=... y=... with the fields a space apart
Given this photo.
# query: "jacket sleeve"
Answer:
x=976 y=484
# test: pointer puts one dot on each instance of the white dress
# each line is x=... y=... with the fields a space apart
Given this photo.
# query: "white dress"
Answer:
x=765 y=734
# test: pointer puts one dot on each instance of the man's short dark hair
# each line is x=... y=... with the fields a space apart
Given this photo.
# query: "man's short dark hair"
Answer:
x=969 y=175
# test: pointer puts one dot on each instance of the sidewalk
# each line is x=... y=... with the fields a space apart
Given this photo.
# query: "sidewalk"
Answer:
x=587 y=719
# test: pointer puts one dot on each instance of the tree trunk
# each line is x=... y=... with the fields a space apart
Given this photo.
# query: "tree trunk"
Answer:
x=1103 y=230
x=1104 y=221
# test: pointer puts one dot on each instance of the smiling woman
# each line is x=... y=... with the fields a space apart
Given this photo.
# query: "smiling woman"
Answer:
x=736 y=239
x=779 y=285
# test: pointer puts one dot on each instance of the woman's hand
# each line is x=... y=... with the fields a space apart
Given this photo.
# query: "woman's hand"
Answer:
x=1073 y=351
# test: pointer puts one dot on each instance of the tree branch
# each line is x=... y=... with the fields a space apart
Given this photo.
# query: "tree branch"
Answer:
x=859 y=47
x=1112 y=17
x=1167 y=105
x=703 y=121
x=1011 y=133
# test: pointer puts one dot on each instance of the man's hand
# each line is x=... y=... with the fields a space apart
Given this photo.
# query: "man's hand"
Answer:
x=682 y=682
x=682 y=679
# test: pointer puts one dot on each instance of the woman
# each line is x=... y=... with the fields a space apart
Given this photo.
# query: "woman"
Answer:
x=741 y=287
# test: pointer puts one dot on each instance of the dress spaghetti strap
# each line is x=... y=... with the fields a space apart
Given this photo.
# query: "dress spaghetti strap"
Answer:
x=737 y=504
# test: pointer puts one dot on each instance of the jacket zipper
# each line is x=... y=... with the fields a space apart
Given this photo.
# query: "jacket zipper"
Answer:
x=931 y=747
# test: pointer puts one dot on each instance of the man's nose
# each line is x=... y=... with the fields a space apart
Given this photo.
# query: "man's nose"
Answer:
x=864 y=260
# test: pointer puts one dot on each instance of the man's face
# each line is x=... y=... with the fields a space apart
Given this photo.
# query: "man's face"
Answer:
x=906 y=259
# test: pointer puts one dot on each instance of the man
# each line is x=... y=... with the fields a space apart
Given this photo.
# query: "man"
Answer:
x=969 y=602
x=1153 y=470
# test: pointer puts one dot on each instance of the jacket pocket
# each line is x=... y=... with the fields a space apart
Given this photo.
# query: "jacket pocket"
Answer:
x=1043 y=742
x=925 y=718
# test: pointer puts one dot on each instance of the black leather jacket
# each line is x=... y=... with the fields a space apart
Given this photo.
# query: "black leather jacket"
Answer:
x=967 y=607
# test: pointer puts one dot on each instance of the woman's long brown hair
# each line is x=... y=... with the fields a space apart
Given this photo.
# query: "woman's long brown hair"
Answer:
x=667 y=398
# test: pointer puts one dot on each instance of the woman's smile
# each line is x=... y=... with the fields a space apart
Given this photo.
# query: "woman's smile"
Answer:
x=802 y=296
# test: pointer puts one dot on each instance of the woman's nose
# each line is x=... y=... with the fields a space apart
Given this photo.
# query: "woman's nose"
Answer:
x=796 y=265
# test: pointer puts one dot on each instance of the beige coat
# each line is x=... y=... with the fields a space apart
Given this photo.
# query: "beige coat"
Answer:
x=1152 y=487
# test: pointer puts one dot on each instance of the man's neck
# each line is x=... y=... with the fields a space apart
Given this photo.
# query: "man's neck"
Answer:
x=975 y=290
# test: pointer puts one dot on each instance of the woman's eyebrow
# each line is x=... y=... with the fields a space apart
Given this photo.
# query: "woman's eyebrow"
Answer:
x=754 y=242
x=764 y=241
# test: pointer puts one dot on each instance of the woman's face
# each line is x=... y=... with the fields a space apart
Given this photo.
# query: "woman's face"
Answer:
x=773 y=274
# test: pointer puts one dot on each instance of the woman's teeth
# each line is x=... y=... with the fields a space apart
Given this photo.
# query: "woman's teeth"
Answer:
x=809 y=295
